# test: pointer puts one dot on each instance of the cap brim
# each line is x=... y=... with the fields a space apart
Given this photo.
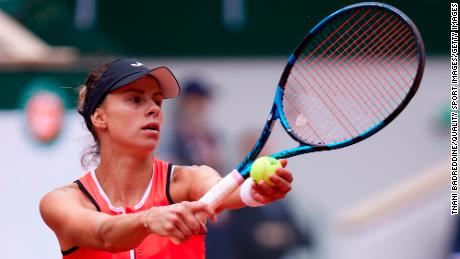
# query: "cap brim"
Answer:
x=168 y=82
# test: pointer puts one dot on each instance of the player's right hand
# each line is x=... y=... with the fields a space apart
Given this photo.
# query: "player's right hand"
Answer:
x=179 y=221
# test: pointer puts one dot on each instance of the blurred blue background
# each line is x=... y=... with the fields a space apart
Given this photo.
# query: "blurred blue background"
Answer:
x=387 y=197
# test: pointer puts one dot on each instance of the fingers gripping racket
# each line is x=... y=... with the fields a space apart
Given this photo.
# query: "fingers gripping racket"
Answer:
x=350 y=76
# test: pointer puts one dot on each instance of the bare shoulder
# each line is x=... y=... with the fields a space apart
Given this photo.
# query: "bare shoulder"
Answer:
x=193 y=172
x=69 y=192
x=190 y=182
x=62 y=199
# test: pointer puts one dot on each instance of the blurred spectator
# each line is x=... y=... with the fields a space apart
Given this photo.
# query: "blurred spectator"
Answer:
x=194 y=142
x=456 y=241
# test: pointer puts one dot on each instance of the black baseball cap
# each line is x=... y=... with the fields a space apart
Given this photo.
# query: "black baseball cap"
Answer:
x=124 y=71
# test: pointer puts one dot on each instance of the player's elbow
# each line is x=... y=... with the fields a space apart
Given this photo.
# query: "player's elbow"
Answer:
x=104 y=241
x=108 y=244
x=107 y=241
x=43 y=207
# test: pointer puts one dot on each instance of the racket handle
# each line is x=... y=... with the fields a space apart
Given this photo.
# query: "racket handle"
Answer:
x=218 y=193
x=226 y=186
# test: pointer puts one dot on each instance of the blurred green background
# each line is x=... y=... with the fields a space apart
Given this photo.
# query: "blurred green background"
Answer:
x=182 y=29
x=198 y=28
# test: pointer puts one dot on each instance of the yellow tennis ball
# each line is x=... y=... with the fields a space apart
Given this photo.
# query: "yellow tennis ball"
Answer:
x=263 y=167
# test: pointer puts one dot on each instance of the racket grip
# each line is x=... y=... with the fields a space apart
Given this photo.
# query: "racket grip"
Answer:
x=226 y=186
x=217 y=194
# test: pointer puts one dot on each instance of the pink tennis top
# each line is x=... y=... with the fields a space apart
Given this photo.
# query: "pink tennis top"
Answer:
x=153 y=246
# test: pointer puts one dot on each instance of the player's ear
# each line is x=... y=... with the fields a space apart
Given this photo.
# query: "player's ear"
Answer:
x=98 y=119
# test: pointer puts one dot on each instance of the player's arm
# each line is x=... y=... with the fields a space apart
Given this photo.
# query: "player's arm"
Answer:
x=204 y=178
x=74 y=222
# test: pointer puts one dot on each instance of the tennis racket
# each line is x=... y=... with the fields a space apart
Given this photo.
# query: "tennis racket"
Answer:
x=351 y=75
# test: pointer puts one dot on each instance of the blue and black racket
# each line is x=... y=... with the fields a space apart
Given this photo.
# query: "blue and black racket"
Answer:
x=350 y=76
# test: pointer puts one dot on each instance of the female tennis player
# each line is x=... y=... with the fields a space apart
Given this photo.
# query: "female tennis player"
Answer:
x=132 y=205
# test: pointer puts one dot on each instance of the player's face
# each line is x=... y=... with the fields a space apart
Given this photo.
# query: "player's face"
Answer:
x=133 y=114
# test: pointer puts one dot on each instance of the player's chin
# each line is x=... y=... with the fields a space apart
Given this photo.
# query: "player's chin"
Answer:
x=149 y=143
x=145 y=148
x=150 y=136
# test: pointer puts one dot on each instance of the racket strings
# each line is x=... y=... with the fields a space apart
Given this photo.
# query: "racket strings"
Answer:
x=351 y=75
x=325 y=51
x=364 y=67
x=388 y=53
x=361 y=57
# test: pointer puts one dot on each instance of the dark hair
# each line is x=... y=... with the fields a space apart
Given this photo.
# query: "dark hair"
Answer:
x=91 y=155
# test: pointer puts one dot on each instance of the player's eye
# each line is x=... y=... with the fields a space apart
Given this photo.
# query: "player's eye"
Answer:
x=135 y=99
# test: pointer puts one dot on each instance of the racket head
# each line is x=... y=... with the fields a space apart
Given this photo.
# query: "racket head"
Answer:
x=369 y=54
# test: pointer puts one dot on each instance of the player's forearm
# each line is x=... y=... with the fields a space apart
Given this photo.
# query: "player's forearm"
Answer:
x=122 y=232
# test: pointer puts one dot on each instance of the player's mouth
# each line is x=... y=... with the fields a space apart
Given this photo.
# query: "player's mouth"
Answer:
x=151 y=127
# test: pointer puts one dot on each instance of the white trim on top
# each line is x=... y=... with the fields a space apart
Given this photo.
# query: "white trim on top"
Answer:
x=172 y=172
x=122 y=209
x=146 y=194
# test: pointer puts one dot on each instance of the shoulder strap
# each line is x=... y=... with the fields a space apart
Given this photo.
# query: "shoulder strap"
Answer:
x=87 y=194
x=168 y=183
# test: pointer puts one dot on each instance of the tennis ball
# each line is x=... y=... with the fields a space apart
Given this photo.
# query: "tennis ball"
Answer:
x=263 y=167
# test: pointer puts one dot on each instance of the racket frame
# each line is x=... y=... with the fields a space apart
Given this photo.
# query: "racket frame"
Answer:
x=277 y=111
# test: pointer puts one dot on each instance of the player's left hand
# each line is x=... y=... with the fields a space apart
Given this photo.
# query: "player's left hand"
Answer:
x=281 y=179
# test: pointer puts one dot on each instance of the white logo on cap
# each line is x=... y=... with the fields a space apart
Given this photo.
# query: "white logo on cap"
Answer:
x=137 y=64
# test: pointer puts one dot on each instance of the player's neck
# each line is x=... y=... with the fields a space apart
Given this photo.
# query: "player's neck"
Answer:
x=124 y=177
